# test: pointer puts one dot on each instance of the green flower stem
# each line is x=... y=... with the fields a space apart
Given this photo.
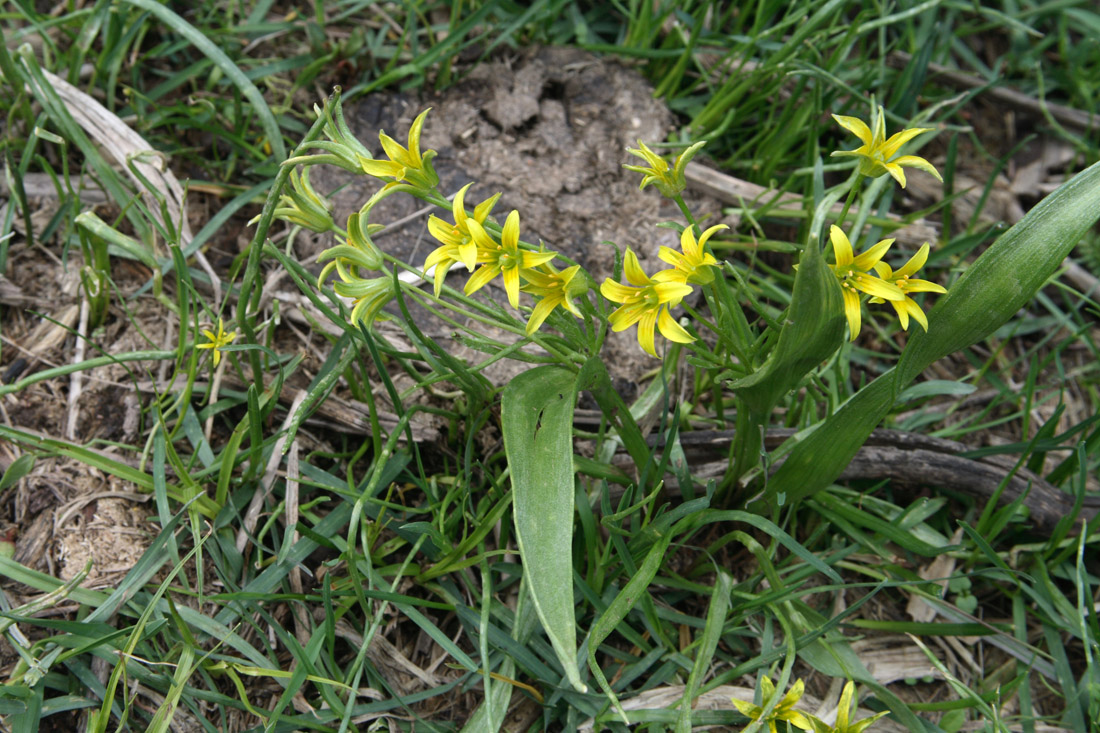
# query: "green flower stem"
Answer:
x=421 y=296
x=748 y=439
x=851 y=197
x=701 y=319
x=255 y=250
x=687 y=214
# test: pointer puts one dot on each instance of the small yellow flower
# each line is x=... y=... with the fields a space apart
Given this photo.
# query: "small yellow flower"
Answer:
x=853 y=273
x=458 y=243
x=907 y=284
x=553 y=289
x=404 y=164
x=877 y=153
x=783 y=710
x=668 y=179
x=505 y=259
x=844 y=711
x=646 y=304
x=692 y=264
x=217 y=341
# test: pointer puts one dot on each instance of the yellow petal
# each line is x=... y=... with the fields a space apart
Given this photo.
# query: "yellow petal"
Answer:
x=645 y=332
x=867 y=260
x=481 y=278
x=414 y=138
x=509 y=235
x=458 y=207
x=710 y=232
x=479 y=235
x=687 y=242
x=481 y=211
x=842 y=248
x=511 y=285
x=878 y=288
x=541 y=310
x=626 y=316
x=672 y=292
x=443 y=230
x=855 y=126
x=534 y=259
x=915 y=262
x=896 y=173
x=395 y=152
x=382 y=168
x=671 y=256
x=915 y=161
x=672 y=330
x=616 y=292
x=467 y=253
x=851 y=311
x=922 y=286
x=891 y=147
x=635 y=275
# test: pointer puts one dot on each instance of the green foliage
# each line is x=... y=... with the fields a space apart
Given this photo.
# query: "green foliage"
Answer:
x=537 y=421
x=280 y=563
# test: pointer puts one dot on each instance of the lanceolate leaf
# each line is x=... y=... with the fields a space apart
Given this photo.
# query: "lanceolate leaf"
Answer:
x=537 y=421
x=812 y=332
x=998 y=284
x=1007 y=275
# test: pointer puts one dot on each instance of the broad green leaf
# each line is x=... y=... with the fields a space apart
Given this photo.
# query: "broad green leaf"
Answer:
x=537 y=421
x=19 y=468
x=1003 y=279
x=1007 y=275
x=813 y=329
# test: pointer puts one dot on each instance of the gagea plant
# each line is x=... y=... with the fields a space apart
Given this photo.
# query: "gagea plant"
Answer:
x=756 y=351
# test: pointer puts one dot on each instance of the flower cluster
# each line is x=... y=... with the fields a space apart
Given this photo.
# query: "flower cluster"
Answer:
x=647 y=300
x=473 y=240
x=854 y=273
x=784 y=710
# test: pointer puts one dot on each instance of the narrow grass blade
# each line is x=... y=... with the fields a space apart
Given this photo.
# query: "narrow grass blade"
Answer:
x=712 y=633
x=537 y=422
x=223 y=62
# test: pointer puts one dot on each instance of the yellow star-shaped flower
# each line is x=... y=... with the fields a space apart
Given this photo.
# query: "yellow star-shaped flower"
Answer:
x=646 y=303
x=783 y=710
x=877 y=154
x=505 y=259
x=217 y=341
x=457 y=242
x=553 y=289
x=692 y=264
x=404 y=164
x=853 y=273
x=905 y=282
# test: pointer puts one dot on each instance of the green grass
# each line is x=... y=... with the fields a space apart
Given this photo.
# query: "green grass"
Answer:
x=383 y=537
